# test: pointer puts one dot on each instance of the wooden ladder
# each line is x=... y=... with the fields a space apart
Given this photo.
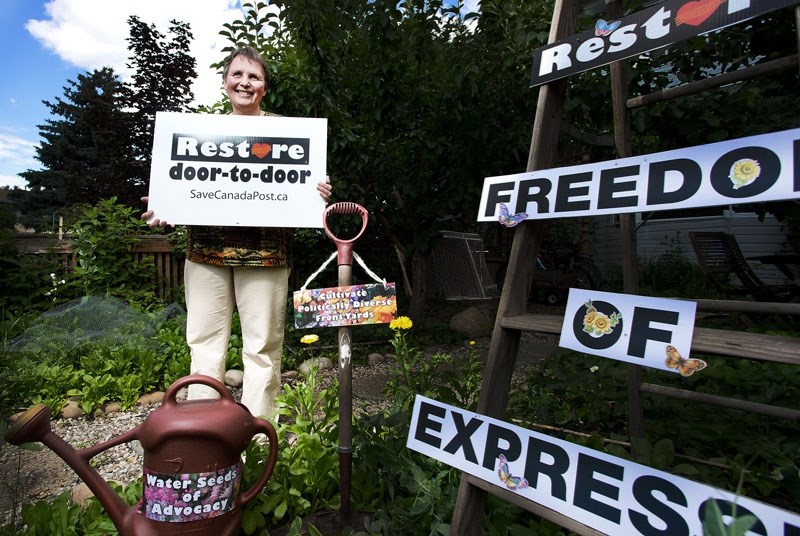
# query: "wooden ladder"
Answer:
x=512 y=316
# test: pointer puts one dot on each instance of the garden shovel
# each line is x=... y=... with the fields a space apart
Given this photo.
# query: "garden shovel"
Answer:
x=344 y=257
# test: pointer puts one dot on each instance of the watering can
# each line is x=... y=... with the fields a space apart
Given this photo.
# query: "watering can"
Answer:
x=192 y=463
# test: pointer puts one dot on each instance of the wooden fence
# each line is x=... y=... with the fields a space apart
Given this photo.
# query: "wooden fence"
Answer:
x=168 y=269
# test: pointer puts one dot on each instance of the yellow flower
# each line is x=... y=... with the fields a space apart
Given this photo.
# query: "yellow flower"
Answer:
x=602 y=323
x=743 y=172
x=472 y=343
x=401 y=322
x=309 y=339
x=589 y=318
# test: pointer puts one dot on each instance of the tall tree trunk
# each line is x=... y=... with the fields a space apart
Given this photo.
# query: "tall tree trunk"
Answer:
x=419 y=289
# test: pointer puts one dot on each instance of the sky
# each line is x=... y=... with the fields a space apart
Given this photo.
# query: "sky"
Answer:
x=47 y=43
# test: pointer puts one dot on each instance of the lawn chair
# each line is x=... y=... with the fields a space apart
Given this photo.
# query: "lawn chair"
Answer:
x=720 y=258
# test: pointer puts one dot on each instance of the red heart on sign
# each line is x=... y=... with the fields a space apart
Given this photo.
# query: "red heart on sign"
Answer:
x=697 y=12
x=261 y=149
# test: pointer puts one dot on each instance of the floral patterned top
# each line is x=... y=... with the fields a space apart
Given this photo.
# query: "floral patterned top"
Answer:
x=238 y=246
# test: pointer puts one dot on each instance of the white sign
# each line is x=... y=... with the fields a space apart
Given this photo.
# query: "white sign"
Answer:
x=655 y=27
x=652 y=332
x=745 y=170
x=234 y=170
x=610 y=494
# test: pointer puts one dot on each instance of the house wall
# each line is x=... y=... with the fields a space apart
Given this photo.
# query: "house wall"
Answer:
x=654 y=237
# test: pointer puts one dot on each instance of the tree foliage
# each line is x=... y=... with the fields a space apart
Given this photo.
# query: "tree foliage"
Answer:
x=98 y=142
x=163 y=72
x=420 y=106
x=82 y=151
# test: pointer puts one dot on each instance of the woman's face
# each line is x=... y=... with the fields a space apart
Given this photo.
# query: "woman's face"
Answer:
x=245 y=86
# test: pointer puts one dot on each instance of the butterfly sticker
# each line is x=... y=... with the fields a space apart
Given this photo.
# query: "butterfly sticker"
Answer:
x=686 y=367
x=508 y=219
x=511 y=482
x=603 y=28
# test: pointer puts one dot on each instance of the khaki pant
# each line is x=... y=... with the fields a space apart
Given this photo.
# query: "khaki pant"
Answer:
x=260 y=296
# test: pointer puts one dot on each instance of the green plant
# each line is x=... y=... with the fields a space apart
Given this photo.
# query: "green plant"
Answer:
x=94 y=372
x=60 y=516
x=305 y=478
x=448 y=378
x=104 y=236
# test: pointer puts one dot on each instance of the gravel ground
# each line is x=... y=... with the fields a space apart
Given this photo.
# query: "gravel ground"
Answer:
x=35 y=472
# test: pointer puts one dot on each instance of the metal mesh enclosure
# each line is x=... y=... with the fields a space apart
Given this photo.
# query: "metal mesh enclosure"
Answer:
x=457 y=268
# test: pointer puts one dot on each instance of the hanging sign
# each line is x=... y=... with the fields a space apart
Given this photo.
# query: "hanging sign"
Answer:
x=745 y=170
x=652 y=332
x=345 y=306
x=649 y=29
x=609 y=494
x=234 y=170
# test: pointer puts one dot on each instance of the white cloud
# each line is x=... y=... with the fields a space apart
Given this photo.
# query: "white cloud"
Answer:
x=91 y=34
x=15 y=153
x=13 y=181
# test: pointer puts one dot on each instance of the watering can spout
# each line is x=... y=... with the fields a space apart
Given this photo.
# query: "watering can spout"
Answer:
x=192 y=464
x=34 y=426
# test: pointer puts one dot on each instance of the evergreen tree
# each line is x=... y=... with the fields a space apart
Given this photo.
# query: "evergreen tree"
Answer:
x=83 y=151
x=98 y=143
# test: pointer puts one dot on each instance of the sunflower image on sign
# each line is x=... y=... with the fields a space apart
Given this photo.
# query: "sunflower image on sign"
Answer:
x=743 y=172
x=598 y=324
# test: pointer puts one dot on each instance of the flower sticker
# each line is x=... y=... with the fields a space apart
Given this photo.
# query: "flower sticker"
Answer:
x=743 y=172
x=598 y=324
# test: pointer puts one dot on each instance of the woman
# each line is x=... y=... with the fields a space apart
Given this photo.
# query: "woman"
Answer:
x=245 y=267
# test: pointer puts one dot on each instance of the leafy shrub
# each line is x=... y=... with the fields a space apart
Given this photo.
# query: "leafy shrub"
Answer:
x=104 y=236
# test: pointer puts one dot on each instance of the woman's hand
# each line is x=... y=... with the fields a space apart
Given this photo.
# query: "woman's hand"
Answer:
x=149 y=216
x=325 y=189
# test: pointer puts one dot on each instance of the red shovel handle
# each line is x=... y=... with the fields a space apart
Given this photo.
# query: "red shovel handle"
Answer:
x=344 y=248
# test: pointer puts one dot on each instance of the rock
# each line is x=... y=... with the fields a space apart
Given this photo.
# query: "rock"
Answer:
x=71 y=410
x=472 y=323
x=81 y=494
x=321 y=363
x=375 y=359
x=155 y=397
x=288 y=375
x=112 y=407
x=234 y=378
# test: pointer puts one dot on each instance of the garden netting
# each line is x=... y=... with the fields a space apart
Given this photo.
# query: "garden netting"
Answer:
x=92 y=319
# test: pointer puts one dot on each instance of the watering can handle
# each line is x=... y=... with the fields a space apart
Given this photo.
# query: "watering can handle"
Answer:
x=344 y=248
x=265 y=427
x=170 y=397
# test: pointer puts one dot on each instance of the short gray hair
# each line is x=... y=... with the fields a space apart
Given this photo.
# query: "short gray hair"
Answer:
x=248 y=53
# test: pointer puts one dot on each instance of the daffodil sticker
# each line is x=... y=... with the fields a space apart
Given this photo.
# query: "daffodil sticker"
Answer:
x=598 y=324
x=744 y=171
